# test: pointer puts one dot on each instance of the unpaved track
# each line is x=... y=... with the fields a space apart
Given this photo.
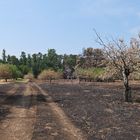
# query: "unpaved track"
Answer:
x=32 y=115
x=19 y=123
x=69 y=130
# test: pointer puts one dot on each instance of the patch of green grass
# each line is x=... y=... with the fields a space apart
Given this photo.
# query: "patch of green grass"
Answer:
x=90 y=72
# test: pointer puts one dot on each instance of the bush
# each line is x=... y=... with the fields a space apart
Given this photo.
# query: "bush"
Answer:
x=135 y=76
x=29 y=76
x=97 y=75
x=49 y=75
x=5 y=71
x=108 y=75
x=91 y=74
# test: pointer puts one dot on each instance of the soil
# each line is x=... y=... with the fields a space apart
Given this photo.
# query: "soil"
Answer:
x=18 y=116
x=98 y=109
x=68 y=111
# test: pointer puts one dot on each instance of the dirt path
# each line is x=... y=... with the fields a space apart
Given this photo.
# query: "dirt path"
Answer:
x=69 y=130
x=31 y=114
x=19 y=123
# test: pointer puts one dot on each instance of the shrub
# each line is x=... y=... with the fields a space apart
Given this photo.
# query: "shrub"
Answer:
x=109 y=75
x=49 y=75
x=135 y=76
x=5 y=71
x=91 y=74
x=29 y=76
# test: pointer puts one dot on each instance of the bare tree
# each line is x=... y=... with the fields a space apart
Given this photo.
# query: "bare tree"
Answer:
x=123 y=58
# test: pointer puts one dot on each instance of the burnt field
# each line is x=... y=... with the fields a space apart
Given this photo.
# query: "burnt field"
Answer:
x=66 y=110
x=98 y=109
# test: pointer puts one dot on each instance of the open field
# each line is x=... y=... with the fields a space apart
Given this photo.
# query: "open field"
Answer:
x=68 y=111
x=98 y=109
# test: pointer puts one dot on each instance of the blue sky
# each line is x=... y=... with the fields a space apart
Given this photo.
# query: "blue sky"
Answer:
x=65 y=25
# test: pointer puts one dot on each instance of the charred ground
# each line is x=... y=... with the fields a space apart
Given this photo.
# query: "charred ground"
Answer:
x=99 y=109
x=96 y=109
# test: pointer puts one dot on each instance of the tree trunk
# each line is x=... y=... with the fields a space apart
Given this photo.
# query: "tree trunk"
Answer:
x=6 y=80
x=128 y=97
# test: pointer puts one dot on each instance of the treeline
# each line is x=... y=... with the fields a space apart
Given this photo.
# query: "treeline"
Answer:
x=35 y=63
x=51 y=64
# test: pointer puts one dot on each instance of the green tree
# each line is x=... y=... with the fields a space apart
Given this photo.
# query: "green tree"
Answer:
x=4 y=56
x=69 y=60
x=23 y=59
x=8 y=59
x=29 y=61
x=35 y=69
x=16 y=73
x=53 y=60
x=12 y=60
x=24 y=69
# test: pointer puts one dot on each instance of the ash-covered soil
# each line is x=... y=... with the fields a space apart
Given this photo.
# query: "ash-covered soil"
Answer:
x=68 y=111
x=5 y=91
x=28 y=113
x=47 y=127
x=98 y=109
x=18 y=112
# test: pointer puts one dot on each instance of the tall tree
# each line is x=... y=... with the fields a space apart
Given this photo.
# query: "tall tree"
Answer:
x=4 y=56
x=8 y=59
x=29 y=61
x=13 y=60
x=35 y=68
x=23 y=59
x=69 y=60
x=52 y=59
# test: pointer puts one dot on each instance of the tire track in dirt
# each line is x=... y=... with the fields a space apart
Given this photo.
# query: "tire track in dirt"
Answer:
x=71 y=131
x=19 y=123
